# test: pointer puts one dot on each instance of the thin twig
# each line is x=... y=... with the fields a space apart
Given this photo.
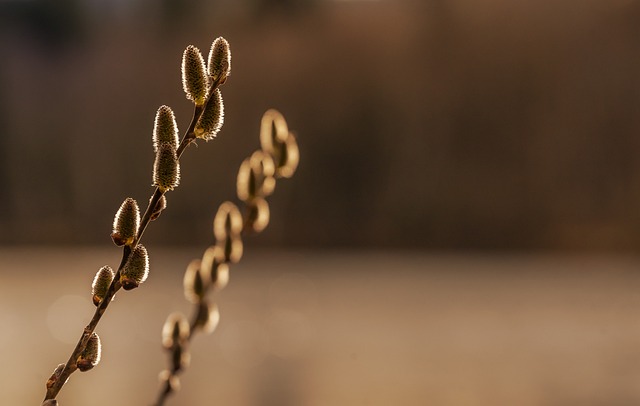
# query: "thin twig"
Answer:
x=167 y=389
x=71 y=365
x=170 y=375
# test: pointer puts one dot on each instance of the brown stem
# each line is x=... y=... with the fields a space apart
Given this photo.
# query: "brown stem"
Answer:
x=71 y=365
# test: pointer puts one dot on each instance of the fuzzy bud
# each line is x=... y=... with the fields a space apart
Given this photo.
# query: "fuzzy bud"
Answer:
x=232 y=248
x=208 y=317
x=219 y=63
x=256 y=177
x=160 y=206
x=194 y=285
x=211 y=119
x=246 y=181
x=166 y=377
x=165 y=129
x=166 y=168
x=50 y=402
x=277 y=141
x=213 y=264
x=227 y=222
x=175 y=330
x=287 y=157
x=194 y=79
x=273 y=129
x=258 y=216
x=136 y=270
x=126 y=223
x=101 y=283
x=90 y=357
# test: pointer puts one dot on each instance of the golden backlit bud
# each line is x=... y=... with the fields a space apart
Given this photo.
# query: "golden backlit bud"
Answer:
x=90 y=357
x=194 y=77
x=258 y=217
x=55 y=375
x=160 y=206
x=208 y=317
x=101 y=283
x=173 y=380
x=273 y=130
x=165 y=128
x=175 y=330
x=232 y=248
x=227 y=222
x=220 y=276
x=227 y=226
x=126 y=223
x=213 y=264
x=246 y=182
x=211 y=119
x=288 y=157
x=136 y=270
x=212 y=257
x=194 y=284
x=277 y=141
x=263 y=165
x=255 y=177
x=166 y=168
x=219 y=65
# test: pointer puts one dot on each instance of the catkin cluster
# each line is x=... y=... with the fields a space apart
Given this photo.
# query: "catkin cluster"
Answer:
x=277 y=158
x=201 y=85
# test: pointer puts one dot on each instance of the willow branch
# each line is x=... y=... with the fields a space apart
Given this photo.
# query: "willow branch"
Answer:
x=71 y=365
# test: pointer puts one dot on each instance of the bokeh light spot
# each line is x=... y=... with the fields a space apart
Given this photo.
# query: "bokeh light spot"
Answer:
x=65 y=316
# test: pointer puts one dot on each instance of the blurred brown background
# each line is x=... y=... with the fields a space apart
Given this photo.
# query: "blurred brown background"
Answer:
x=447 y=148
x=432 y=125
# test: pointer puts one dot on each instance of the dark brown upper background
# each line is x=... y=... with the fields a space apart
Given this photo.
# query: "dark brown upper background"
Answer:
x=427 y=125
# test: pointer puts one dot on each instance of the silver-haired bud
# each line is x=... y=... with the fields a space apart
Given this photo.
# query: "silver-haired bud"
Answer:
x=211 y=119
x=166 y=168
x=136 y=269
x=90 y=357
x=219 y=65
x=126 y=223
x=194 y=78
x=165 y=128
x=101 y=283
